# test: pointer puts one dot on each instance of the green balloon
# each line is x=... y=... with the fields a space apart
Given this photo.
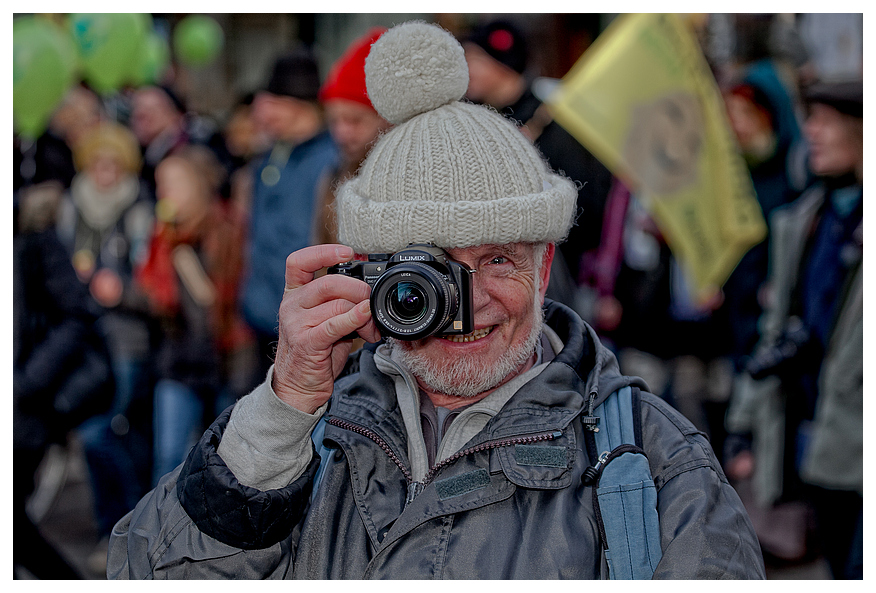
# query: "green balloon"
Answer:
x=64 y=41
x=109 y=47
x=153 y=61
x=41 y=74
x=197 y=40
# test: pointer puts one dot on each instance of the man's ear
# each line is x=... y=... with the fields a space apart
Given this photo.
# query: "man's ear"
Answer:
x=545 y=271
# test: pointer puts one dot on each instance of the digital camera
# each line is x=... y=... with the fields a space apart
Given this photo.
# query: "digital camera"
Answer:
x=416 y=292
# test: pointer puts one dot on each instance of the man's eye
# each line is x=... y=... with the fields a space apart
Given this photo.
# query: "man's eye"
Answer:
x=498 y=260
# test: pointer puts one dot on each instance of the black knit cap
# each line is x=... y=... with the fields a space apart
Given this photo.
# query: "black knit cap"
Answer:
x=503 y=42
x=295 y=75
x=846 y=97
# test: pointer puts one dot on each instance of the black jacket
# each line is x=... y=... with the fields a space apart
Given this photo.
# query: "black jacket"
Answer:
x=52 y=319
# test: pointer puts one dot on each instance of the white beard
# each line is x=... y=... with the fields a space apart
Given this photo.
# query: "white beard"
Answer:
x=468 y=376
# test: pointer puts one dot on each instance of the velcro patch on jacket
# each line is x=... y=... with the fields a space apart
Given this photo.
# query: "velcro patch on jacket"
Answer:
x=540 y=455
x=462 y=484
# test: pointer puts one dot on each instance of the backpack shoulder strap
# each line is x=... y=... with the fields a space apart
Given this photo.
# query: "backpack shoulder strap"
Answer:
x=620 y=420
x=324 y=452
x=624 y=495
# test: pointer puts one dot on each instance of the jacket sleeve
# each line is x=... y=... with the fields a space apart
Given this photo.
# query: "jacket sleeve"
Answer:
x=200 y=522
x=267 y=443
x=705 y=532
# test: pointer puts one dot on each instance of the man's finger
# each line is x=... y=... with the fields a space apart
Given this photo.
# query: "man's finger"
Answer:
x=302 y=264
x=322 y=312
x=331 y=287
x=337 y=327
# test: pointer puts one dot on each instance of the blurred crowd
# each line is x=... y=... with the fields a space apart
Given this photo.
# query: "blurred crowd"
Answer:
x=150 y=245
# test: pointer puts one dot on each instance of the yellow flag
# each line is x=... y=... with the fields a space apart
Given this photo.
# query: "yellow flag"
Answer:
x=643 y=100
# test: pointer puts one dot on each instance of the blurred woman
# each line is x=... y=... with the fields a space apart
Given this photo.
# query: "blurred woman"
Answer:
x=190 y=279
x=763 y=116
x=105 y=221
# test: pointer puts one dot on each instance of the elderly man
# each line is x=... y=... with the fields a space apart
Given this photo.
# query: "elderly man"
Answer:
x=459 y=454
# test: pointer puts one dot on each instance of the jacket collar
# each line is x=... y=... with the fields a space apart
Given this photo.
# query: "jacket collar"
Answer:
x=582 y=375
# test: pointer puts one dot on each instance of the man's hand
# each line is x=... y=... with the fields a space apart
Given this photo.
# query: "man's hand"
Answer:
x=315 y=317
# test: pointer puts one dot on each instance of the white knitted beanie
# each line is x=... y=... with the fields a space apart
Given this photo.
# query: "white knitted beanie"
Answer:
x=451 y=173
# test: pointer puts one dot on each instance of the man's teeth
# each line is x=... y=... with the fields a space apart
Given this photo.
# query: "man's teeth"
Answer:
x=475 y=335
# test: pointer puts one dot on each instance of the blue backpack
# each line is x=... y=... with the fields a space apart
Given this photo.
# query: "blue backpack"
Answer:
x=624 y=495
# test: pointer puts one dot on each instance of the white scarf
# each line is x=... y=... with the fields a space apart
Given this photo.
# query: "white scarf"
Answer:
x=101 y=209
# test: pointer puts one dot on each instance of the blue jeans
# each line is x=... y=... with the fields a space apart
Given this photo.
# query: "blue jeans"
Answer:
x=178 y=422
x=112 y=464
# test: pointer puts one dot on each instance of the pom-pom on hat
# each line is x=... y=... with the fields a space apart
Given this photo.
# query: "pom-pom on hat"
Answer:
x=450 y=172
x=346 y=79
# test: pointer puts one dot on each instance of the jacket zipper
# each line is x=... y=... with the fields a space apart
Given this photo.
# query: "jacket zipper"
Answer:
x=414 y=488
x=368 y=433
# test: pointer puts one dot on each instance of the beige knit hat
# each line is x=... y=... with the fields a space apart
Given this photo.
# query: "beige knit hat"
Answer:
x=451 y=173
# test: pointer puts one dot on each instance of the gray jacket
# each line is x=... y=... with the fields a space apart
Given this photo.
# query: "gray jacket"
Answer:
x=493 y=511
x=835 y=456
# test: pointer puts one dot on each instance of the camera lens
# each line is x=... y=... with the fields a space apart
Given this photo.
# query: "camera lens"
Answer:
x=411 y=301
x=406 y=302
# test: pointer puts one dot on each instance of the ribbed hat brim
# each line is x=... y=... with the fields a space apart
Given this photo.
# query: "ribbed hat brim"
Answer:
x=385 y=227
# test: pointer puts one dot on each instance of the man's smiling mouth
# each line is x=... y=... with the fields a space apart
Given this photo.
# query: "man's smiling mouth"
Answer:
x=473 y=336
